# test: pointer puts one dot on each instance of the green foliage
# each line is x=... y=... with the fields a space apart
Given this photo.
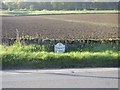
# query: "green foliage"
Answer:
x=96 y=47
x=46 y=11
x=60 y=5
x=17 y=47
x=23 y=12
x=29 y=56
x=100 y=47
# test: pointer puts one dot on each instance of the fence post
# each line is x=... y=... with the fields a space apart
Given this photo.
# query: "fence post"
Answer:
x=17 y=36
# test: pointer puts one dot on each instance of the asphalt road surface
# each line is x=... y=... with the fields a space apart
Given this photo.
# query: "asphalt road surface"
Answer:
x=61 y=78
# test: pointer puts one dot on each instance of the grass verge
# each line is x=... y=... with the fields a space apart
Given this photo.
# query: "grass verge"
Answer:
x=28 y=56
x=53 y=12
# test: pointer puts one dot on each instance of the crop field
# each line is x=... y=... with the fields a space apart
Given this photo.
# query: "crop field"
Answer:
x=72 y=26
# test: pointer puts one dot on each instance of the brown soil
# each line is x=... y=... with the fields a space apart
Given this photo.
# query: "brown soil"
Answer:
x=79 y=26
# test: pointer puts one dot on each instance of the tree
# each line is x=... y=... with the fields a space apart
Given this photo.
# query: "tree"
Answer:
x=60 y=5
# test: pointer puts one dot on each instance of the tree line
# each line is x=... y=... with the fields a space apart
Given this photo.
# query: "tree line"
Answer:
x=60 y=5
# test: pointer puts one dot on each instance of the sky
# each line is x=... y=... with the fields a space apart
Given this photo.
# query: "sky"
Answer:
x=63 y=0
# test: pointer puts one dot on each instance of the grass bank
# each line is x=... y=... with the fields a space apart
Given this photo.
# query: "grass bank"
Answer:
x=28 y=56
x=53 y=12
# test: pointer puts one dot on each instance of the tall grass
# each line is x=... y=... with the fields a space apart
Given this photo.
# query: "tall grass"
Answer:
x=29 y=56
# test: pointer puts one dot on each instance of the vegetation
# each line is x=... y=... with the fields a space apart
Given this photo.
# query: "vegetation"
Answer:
x=59 y=5
x=47 y=12
x=29 y=56
x=39 y=56
x=18 y=8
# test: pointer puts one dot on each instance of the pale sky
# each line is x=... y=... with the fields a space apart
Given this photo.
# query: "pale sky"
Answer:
x=63 y=0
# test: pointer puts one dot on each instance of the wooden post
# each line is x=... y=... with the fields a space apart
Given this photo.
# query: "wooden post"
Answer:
x=17 y=36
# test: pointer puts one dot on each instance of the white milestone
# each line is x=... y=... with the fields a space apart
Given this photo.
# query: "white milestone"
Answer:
x=59 y=48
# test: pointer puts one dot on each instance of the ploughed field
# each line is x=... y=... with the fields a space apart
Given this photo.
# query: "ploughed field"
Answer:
x=74 y=26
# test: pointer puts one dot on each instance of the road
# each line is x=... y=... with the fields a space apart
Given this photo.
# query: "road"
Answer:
x=61 y=78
